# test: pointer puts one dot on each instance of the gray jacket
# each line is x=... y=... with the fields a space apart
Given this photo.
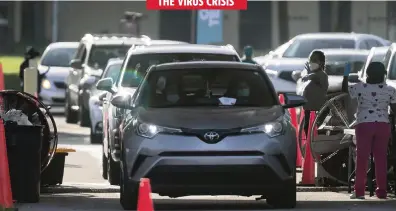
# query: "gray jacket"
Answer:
x=315 y=89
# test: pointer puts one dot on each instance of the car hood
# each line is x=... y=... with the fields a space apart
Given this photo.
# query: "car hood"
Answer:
x=59 y=73
x=285 y=64
x=209 y=118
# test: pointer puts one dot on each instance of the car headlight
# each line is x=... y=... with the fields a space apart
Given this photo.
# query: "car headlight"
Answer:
x=149 y=130
x=46 y=84
x=272 y=129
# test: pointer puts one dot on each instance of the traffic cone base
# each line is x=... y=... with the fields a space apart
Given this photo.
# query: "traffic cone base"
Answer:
x=308 y=175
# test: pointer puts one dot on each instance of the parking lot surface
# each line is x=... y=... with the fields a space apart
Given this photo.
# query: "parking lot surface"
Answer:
x=84 y=188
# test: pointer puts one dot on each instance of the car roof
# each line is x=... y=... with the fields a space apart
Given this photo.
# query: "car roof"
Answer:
x=127 y=41
x=63 y=45
x=183 y=48
x=164 y=42
x=333 y=35
x=207 y=64
x=115 y=61
x=342 y=51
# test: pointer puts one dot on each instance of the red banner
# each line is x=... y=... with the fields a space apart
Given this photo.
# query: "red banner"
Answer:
x=196 y=4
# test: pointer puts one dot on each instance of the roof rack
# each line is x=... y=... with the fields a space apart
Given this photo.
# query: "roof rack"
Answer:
x=105 y=36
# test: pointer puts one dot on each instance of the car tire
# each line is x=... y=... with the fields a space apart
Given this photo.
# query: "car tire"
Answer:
x=104 y=166
x=129 y=190
x=95 y=138
x=70 y=115
x=113 y=171
x=85 y=120
x=285 y=198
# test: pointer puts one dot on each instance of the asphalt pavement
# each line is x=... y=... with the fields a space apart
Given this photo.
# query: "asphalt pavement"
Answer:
x=84 y=189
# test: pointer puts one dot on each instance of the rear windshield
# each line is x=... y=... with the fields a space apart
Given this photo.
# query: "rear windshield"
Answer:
x=301 y=48
x=138 y=64
x=207 y=87
x=100 y=54
x=58 y=57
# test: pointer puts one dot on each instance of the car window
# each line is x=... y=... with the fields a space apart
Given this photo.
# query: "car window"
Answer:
x=301 y=48
x=138 y=64
x=387 y=57
x=100 y=54
x=363 y=45
x=372 y=43
x=392 y=70
x=113 y=71
x=206 y=87
x=58 y=57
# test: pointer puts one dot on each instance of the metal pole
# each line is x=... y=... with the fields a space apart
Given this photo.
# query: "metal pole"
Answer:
x=193 y=26
x=54 y=20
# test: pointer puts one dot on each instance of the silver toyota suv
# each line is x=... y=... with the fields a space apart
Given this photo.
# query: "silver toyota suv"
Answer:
x=208 y=128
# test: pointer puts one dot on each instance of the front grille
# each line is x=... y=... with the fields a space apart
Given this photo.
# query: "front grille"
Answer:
x=58 y=100
x=286 y=75
x=213 y=175
x=60 y=85
x=200 y=133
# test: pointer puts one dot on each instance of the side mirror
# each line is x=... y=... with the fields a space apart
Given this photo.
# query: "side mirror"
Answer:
x=353 y=78
x=293 y=100
x=105 y=84
x=122 y=101
x=76 y=64
x=296 y=75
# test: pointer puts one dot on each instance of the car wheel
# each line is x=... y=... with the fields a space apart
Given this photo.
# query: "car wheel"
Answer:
x=104 y=166
x=70 y=114
x=129 y=191
x=285 y=198
x=84 y=117
x=95 y=138
x=113 y=171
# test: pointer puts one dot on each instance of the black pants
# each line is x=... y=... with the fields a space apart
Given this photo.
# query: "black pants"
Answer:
x=307 y=115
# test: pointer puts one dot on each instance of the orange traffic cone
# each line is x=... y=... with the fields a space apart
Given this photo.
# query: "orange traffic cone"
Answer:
x=293 y=116
x=308 y=174
x=5 y=183
x=145 y=203
x=2 y=86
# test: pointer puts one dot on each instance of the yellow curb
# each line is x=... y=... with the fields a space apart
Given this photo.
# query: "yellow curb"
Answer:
x=64 y=150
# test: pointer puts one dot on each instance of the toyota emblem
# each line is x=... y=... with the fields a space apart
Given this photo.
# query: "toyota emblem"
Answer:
x=211 y=136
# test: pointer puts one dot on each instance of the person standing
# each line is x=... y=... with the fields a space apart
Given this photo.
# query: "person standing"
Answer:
x=315 y=85
x=30 y=54
x=130 y=24
x=248 y=58
x=372 y=126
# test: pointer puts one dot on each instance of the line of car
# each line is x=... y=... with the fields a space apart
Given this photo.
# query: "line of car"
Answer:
x=194 y=118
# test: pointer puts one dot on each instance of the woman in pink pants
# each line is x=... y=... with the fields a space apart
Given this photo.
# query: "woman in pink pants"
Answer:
x=373 y=129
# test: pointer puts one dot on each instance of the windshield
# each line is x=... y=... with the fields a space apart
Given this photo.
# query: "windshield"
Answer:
x=335 y=64
x=206 y=87
x=138 y=64
x=58 y=57
x=301 y=48
x=113 y=71
x=100 y=54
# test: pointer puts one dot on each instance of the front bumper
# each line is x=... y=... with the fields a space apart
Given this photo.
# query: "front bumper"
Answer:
x=237 y=165
x=52 y=97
